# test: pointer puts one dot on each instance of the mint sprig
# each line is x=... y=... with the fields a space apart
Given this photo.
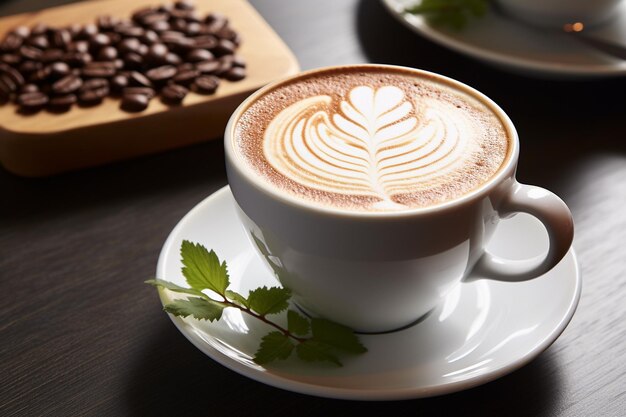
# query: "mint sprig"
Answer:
x=452 y=13
x=313 y=339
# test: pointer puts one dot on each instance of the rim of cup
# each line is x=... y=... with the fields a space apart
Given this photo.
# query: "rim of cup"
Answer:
x=246 y=172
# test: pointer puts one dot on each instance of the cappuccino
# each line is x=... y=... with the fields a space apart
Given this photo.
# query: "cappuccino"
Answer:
x=372 y=139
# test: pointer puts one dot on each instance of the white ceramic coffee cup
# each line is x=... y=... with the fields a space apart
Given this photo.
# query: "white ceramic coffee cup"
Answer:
x=379 y=271
x=557 y=13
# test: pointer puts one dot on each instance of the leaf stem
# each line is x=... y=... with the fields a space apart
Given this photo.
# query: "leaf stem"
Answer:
x=264 y=319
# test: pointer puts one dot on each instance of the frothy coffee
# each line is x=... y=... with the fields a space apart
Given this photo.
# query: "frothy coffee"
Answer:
x=371 y=139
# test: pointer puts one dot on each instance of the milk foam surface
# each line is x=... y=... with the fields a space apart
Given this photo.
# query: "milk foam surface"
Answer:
x=369 y=139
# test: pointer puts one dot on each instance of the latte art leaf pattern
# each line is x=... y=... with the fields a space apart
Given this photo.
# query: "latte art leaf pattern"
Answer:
x=373 y=143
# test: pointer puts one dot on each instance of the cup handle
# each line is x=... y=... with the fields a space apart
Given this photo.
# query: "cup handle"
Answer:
x=555 y=216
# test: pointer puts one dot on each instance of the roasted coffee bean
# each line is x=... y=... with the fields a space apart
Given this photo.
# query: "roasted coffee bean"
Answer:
x=139 y=15
x=172 y=59
x=212 y=17
x=134 y=102
x=51 y=55
x=98 y=41
x=235 y=74
x=92 y=97
x=165 y=8
x=10 y=59
x=94 y=84
x=32 y=101
x=237 y=40
x=198 y=55
x=145 y=91
x=206 y=84
x=193 y=29
x=7 y=86
x=114 y=37
x=184 y=5
x=59 y=70
x=153 y=18
x=118 y=64
x=29 y=88
x=179 y=25
x=239 y=61
x=40 y=75
x=21 y=31
x=99 y=70
x=108 y=53
x=205 y=41
x=74 y=29
x=226 y=63
x=157 y=52
x=133 y=60
x=30 y=52
x=174 y=93
x=61 y=38
x=137 y=79
x=129 y=45
x=180 y=45
x=224 y=47
x=226 y=33
x=93 y=91
x=149 y=37
x=216 y=25
x=118 y=83
x=12 y=73
x=161 y=74
x=106 y=22
x=77 y=59
x=62 y=103
x=39 y=29
x=188 y=15
x=130 y=31
x=208 y=67
x=78 y=46
x=159 y=26
x=171 y=35
x=142 y=50
x=87 y=32
x=193 y=17
x=11 y=42
x=28 y=67
x=185 y=66
x=67 y=84
x=40 y=42
x=186 y=77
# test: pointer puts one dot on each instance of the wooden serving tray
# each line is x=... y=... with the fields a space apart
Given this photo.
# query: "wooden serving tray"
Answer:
x=47 y=143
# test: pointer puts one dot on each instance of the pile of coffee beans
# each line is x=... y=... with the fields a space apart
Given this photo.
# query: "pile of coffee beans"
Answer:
x=161 y=51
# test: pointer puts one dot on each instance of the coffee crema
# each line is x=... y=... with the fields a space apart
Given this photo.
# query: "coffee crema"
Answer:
x=371 y=139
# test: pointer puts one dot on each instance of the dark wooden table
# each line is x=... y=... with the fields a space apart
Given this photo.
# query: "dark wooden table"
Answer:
x=80 y=334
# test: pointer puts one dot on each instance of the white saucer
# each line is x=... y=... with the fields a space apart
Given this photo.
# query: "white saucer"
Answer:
x=483 y=331
x=519 y=48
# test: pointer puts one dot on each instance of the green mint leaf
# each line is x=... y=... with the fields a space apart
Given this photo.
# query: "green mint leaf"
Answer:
x=199 y=308
x=335 y=335
x=274 y=345
x=452 y=13
x=173 y=287
x=237 y=298
x=202 y=268
x=297 y=324
x=315 y=351
x=272 y=300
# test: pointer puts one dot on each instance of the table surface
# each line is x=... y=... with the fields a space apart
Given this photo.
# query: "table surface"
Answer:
x=80 y=334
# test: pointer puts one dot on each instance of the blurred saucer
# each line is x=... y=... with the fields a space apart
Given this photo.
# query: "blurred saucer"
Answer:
x=513 y=46
x=483 y=330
